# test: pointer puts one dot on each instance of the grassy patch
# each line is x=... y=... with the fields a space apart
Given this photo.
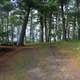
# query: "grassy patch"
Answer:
x=71 y=43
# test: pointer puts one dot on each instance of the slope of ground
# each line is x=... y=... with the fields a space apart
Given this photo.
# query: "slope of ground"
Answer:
x=56 y=61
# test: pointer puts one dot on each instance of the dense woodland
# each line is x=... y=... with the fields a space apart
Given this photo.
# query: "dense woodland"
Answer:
x=38 y=21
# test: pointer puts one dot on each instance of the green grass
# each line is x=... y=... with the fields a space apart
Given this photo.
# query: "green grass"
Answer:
x=71 y=47
x=58 y=43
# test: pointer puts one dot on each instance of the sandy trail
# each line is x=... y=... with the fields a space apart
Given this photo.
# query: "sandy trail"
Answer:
x=38 y=64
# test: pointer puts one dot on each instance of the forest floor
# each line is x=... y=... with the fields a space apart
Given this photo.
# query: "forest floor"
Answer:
x=56 y=61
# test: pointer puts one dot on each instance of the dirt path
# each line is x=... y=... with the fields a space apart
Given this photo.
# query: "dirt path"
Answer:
x=39 y=64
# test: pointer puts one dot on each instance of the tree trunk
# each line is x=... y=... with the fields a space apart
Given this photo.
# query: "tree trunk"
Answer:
x=2 y=29
x=12 y=33
x=78 y=18
x=74 y=27
x=50 y=26
x=63 y=21
x=46 y=29
x=41 y=29
x=31 y=28
x=7 y=30
x=23 y=30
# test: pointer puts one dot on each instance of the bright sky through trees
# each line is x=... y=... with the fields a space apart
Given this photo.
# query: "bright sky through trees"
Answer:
x=13 y=1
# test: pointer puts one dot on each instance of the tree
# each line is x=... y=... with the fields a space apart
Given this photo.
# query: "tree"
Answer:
x=23 y=31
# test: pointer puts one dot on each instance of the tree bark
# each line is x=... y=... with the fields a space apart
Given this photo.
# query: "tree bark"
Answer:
x=46 y=29
x=50 y=26
x=7 y=30
x=74 y=27
x=78 y=18
x=23 y=30
x=41 y=29
x=63 y=21
x=31 y=28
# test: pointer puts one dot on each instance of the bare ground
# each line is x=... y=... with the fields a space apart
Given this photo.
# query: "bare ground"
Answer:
x=47 y=63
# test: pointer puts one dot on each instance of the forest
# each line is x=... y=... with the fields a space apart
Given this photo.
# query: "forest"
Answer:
x=39 y=39
x=38 y=21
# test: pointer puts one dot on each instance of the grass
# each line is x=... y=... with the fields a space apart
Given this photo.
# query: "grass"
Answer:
x=64 y=48
x=71 y=43
x=69 y=47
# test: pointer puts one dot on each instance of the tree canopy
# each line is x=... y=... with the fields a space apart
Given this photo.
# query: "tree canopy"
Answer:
x=39 y=20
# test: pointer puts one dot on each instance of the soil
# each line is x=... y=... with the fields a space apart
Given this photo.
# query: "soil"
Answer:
x=37 y=64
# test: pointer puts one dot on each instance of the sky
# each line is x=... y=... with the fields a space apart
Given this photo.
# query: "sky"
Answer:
x=13 y=1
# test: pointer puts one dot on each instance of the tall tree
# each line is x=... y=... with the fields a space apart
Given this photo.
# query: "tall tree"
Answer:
x=63 y=19
x=23 y=30
x=78 y=17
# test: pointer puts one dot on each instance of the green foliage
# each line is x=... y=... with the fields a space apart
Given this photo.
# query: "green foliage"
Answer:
x=3 y=34
x=4 y=1
x=52 y=3
x=49 y=10
x=7 y=7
